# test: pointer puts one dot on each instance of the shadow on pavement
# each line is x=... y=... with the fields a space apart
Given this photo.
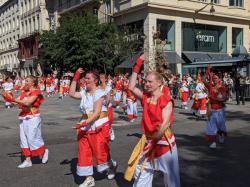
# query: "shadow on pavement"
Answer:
x=228 y=165
x=120 y=181
x=138 y=135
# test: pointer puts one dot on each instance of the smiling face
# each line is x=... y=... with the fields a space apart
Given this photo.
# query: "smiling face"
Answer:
x=152 y=82
x=90 y=80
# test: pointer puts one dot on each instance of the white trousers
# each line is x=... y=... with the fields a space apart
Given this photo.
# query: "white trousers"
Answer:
x=167 y=163
x=31 y=140
x=118 y=96
x=131 y=108
x=217 y=122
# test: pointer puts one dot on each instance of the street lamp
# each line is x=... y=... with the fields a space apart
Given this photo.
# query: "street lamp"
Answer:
x=212 y=10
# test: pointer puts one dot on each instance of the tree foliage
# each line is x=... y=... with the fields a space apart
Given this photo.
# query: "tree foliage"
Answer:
x=82 y=41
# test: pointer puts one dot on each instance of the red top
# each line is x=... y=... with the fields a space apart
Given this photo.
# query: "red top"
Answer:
x=213 y=96
x=152 y=112
x=165 y=90
x=49 y=81
x=27 y=111
x=125 y=86
x=118 y=85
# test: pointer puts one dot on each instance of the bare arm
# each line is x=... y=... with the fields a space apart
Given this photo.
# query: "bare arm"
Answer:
x=27 y=102
x=72 y=91
x=132 y=86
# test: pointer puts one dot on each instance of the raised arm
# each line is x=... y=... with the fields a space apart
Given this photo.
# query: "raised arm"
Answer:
x=132 y=82
x=72 y=90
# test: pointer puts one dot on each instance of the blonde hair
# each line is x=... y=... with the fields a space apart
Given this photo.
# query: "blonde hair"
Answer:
x=156 y=74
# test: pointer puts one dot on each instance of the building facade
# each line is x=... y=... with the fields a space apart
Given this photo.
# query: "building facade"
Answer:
x=101 y=8
x=36 y=16
x=190 y=33
x=9 y=34
x=21 y=21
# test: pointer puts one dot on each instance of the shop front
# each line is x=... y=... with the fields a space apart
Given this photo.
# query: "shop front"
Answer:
x=204 y=45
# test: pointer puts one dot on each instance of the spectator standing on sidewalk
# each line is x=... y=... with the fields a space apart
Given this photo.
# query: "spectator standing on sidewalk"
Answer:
x=240 y=85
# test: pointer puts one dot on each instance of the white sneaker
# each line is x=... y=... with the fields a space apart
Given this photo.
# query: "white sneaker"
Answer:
x=212 y=145
x=112 y=134
x=132 y=120
x=45 y=156
x=186 y=108
x=111 y=172
x=25 y=164
x=221 y=139
x=117 y=106
x=89 y=181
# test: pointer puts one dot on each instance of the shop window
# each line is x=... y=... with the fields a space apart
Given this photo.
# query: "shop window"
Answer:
x=237 y=37
x=236 y=3
x=134 y=34
x=215 y=1
x=60 y=3
x=166 y=34
x=205 y=38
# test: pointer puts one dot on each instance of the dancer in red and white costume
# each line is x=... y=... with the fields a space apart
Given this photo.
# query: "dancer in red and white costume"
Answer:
x=131 y=106
x=118 y=86
x=32 y=143
x=49 y=81
x=107 y=89
x=200 y=98
x=216 y=124
x=8 y=88
x=91 y=140
x=184 y=92
x=157 y=148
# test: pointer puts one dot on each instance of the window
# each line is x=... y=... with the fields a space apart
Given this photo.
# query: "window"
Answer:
x=215 y=1
x=236 y=3
x=205 y=38
x=68 y=3
x=237 y=37
x=166 y=33
x=60 y=3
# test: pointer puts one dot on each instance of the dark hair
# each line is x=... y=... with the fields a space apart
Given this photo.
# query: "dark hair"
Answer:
x=6 y=79
x=95 y=75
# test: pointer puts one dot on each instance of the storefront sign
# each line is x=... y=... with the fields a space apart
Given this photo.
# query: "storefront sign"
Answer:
x=204 y=38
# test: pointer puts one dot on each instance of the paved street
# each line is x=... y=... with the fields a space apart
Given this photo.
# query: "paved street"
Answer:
x=227 y=166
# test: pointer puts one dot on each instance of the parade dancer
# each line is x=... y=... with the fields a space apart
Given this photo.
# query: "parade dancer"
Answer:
x=200 y=98
x=8 y=88
x=124 y=94
x=184 y=93
x=118 y=91
x=131 y=106
x=49 y=85
x=92 y=142
x=216 y=124
x=157 y=148
x=31 y=141
x=107 y=89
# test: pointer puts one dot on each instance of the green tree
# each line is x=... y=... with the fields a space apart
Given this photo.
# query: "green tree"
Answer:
x=82 y=41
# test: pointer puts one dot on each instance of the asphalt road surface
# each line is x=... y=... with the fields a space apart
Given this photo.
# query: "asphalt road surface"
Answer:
x=227 y=166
